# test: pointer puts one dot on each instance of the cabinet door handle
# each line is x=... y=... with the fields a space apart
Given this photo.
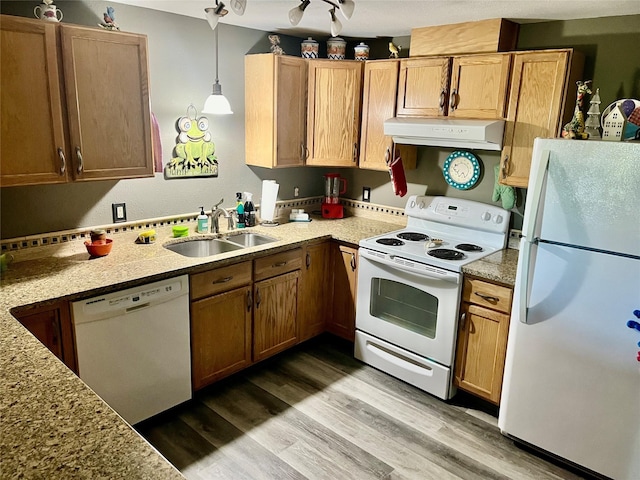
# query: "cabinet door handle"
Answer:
x=63 y=162
x=442 y=100
x=223 y=280
x=80 y=162
x=258 y=299
x=463 y=320
x=486 y=297
x=387 y=156
x=306 y=153
x=56 y=329
x=308 y=261
x=355 y=152
x=279 y=264
x=249 y=300
x=504 y=166
x=353 y=262
x=452 y=100
x=303 y=151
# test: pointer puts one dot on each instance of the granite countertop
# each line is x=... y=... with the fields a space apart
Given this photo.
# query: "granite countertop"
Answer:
x=51 y=424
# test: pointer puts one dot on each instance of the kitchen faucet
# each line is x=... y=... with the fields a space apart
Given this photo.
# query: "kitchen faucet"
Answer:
x=216 y=212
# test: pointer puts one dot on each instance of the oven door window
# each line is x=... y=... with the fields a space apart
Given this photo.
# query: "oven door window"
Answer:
x=405 y=306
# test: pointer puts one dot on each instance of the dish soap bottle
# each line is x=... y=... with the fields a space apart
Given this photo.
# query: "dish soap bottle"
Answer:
x=240 y=210
x=249 y=211
x=203 y=222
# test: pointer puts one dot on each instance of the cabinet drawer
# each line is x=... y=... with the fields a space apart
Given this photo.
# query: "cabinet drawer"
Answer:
x=277 y=264
x=487 y=294
x=220 y=280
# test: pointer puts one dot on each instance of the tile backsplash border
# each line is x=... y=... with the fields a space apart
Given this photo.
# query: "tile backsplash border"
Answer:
x=283 y=208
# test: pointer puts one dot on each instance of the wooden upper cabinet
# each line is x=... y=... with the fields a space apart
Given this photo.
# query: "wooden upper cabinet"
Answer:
x=106 y=77
x=536 y=106
x=88 y=86
x=33 y=148
x=468 y=86
x=479 y=86
x=275 y=110
x=422 y=86
x=379 y=91
x=333 y=112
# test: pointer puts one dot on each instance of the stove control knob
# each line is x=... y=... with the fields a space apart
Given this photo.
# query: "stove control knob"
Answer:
x=421 y=205
x=498 y=219
x=486 y=216
x=412 y=204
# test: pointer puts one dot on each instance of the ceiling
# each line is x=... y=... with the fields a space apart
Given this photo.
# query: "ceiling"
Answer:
x=394 y=18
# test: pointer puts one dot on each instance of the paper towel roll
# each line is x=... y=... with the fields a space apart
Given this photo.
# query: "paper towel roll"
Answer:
x=268 y=201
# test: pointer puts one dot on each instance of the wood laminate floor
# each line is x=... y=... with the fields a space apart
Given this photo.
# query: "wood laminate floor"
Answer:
x=315 y=412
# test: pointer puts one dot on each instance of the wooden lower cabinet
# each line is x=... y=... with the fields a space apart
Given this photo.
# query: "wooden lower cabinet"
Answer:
x=482 y=338
x=51 y=325
x=220 y=335
x=342 y=322
x=221 y=306
x=315 y=292
x=275 y=314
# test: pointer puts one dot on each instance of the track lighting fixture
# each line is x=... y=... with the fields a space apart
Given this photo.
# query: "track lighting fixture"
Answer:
x=345 y=6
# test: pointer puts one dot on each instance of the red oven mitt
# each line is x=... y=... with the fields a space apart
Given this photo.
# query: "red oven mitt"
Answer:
x=398 y=180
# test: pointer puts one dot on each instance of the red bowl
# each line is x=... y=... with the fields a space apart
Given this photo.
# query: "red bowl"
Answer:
x=99 y=248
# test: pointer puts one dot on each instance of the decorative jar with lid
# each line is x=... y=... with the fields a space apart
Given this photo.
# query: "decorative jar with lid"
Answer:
x=309 y=48
x=361 y=51
x=336 y=48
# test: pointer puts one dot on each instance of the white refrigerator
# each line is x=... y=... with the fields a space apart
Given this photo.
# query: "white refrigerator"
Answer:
x=572 y=374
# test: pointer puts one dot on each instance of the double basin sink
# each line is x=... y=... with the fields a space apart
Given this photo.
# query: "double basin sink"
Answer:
x=206 y=247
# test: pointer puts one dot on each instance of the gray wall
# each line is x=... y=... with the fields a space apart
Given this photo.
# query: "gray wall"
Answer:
x=182 y=70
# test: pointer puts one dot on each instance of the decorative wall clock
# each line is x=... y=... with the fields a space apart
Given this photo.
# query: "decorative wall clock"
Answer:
x=461 y=170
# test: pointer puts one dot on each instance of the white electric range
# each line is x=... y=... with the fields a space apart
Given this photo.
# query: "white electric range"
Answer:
x=409 y=286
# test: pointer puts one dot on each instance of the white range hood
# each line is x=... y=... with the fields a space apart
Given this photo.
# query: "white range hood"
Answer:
x=446 y=132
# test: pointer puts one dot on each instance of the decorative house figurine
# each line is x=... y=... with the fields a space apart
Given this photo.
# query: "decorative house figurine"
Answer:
x=592 y=124
x=575 y=128
x=613 y=124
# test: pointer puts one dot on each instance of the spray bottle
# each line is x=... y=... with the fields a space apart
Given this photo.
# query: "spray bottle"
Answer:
x=240 y=210
x=249 y=211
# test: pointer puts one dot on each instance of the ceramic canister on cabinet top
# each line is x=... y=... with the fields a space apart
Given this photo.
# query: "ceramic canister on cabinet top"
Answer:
x=336 y=48
x=361 y=51
x=309 y=48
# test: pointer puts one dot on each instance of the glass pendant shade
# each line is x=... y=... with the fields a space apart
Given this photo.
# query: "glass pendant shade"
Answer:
x=295 y=14
x=217 y=103
x=336 y=26
x=347 y=7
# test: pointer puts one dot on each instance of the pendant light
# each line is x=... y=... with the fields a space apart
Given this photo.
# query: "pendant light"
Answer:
x=216 y=103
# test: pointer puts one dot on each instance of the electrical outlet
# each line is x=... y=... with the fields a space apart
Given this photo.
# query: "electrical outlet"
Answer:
x=366 y=194
x=515 y=234
x=119 y=211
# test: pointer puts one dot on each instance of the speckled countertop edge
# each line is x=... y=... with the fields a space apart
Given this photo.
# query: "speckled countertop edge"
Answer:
x=51 y=424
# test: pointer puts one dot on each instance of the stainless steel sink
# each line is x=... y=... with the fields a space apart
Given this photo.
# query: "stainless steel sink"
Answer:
x=203 y=247
x=250 y=239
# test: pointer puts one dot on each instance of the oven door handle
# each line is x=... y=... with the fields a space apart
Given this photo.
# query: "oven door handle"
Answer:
x=426 y=271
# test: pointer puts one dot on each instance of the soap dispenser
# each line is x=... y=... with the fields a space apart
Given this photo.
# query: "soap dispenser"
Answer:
x=203 y=222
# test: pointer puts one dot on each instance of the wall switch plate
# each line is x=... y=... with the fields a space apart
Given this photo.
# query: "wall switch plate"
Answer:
x=296 y=192
x=119 y=211
x=366 y=194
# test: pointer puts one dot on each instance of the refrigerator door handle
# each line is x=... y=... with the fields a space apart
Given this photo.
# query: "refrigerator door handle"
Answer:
x=534 y=197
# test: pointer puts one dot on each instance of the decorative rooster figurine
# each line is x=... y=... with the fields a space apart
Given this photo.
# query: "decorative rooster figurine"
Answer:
x=575 y=128
x=110 y=20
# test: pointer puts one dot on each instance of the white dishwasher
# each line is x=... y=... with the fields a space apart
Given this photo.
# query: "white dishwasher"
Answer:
x=133 y=347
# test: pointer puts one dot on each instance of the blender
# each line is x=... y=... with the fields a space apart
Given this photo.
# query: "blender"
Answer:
x=334 y=186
